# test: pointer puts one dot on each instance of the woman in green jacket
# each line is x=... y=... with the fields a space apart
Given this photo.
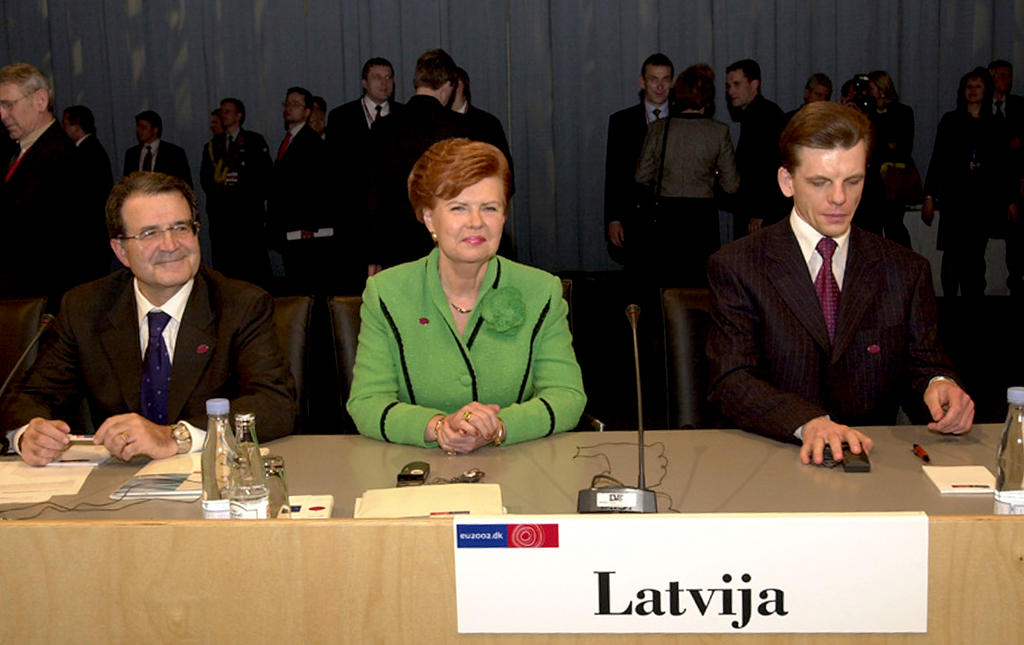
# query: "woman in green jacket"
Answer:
x=463 y=348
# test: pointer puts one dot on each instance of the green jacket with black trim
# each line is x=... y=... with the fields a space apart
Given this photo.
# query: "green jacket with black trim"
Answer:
x=516 y=352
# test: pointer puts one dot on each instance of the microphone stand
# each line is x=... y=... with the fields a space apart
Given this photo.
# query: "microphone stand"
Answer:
x=623 y=499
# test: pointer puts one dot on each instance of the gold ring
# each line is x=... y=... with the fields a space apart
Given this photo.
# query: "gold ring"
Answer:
x=467 y=414
x=451 y=453
x=124 y=437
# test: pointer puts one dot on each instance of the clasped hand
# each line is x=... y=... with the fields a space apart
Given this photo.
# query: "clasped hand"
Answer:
x=471 y=426
x=124 y=435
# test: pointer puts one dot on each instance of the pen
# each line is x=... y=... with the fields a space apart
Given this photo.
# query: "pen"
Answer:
x=922 y=453
x=971 y=486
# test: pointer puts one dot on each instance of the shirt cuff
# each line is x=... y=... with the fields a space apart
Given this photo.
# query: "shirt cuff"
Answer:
x=198 y=437
x=14 y=438
x=799 y=432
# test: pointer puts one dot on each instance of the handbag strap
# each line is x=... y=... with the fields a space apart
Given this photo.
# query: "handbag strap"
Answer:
x=664 y=148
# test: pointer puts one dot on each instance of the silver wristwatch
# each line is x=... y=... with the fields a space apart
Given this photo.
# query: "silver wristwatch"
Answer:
x=182 y=437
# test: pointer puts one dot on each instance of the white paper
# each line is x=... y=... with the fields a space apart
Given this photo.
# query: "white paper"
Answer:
x=24 y=484
x=735 y=574
x=961 y=480
x=425 y=501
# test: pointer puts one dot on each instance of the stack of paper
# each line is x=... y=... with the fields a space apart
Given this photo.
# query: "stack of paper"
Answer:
x=431 y=501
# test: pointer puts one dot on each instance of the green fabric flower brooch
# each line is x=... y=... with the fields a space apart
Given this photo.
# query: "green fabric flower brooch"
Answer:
x=503 y=309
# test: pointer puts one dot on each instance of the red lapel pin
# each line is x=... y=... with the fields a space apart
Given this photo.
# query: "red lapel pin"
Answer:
x=874 y=349
x=202 y=349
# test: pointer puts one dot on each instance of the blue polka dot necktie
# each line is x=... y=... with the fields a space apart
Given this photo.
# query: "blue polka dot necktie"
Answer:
x=156 y=371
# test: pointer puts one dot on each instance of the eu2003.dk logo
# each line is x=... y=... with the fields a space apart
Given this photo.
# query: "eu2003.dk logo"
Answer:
x=504 y=536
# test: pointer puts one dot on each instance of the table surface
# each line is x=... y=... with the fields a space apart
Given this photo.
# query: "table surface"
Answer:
x=693 y=471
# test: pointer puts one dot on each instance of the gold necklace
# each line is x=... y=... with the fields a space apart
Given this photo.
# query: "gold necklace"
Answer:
x=459 y=309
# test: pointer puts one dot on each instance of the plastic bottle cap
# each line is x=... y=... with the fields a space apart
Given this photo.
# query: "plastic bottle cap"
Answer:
x=1015 y=395
x=220 y=407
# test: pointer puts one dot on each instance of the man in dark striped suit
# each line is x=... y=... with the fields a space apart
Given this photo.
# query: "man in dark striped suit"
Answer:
x=818 y=325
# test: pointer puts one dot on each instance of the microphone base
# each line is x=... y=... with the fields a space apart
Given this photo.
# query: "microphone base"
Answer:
x=616 y=500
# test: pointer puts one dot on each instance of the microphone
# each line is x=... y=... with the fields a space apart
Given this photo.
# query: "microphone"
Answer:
x=622 y=499
x=44 y=323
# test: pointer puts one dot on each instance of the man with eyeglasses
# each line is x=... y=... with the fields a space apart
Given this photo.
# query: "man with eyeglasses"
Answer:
x=147 y=345
x=40 y=181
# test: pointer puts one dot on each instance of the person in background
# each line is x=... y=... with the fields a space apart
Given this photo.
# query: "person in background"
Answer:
x=626 y=131
x=463 y=348
x=318 y=117
x=41 y=195
x=894 y=145
x=759 y=201
x=97 y=179
x=153 y=154
x=674 y=244
x=235 y=175
x=970 y=182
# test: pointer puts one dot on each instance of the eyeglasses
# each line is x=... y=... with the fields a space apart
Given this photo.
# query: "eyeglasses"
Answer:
x=179 y=231
x=7 y=105
x=293 y=104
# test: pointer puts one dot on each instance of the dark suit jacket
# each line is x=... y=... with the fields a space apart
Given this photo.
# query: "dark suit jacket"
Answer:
x=626 y=131
x=41 y=207
x=170 y=160
x=347 y=130
x=484 y=126
x=97 y=180
x=236 y=182
x=772 y=367
x=398 y=140
x=298 y=190
x=226 y=347
x=757 y=159
x=349 y=154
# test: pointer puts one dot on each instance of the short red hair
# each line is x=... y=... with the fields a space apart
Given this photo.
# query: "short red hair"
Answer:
x=451 y=166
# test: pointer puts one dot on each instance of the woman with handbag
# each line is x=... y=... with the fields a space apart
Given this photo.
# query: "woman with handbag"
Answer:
x=682 y=159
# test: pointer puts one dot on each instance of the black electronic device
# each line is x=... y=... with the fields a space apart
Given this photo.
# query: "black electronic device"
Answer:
x=852 y=463
x=413 y=473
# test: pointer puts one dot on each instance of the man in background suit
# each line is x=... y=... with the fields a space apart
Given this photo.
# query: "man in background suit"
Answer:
x=1008 y=109
x=817 y=325
x=235 y=174
x=758 y=202
x=97 y=180
x=483 y=126
x=626 y=131
x=300 y=221
x=153 y=153
x=397 y=142
x=40 y=193
x=349 y=151
x=146 y=346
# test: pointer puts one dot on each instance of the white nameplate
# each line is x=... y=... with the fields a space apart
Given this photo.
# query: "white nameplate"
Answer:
x=796 y=573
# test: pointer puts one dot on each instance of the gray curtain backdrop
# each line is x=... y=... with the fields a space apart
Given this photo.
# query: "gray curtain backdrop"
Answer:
x=551 y=71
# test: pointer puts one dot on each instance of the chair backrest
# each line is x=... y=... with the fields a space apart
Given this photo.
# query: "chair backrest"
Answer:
x=345 y=328
x=687 y=318
x=292 y=315
x=19 y=321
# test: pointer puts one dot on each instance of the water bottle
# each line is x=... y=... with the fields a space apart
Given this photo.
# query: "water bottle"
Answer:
x=248 y=494
x=1010 y=479
x=218 y=455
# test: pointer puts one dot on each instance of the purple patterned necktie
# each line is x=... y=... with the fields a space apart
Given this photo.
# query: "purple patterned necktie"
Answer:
x=826 y=286
x=156 y=371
